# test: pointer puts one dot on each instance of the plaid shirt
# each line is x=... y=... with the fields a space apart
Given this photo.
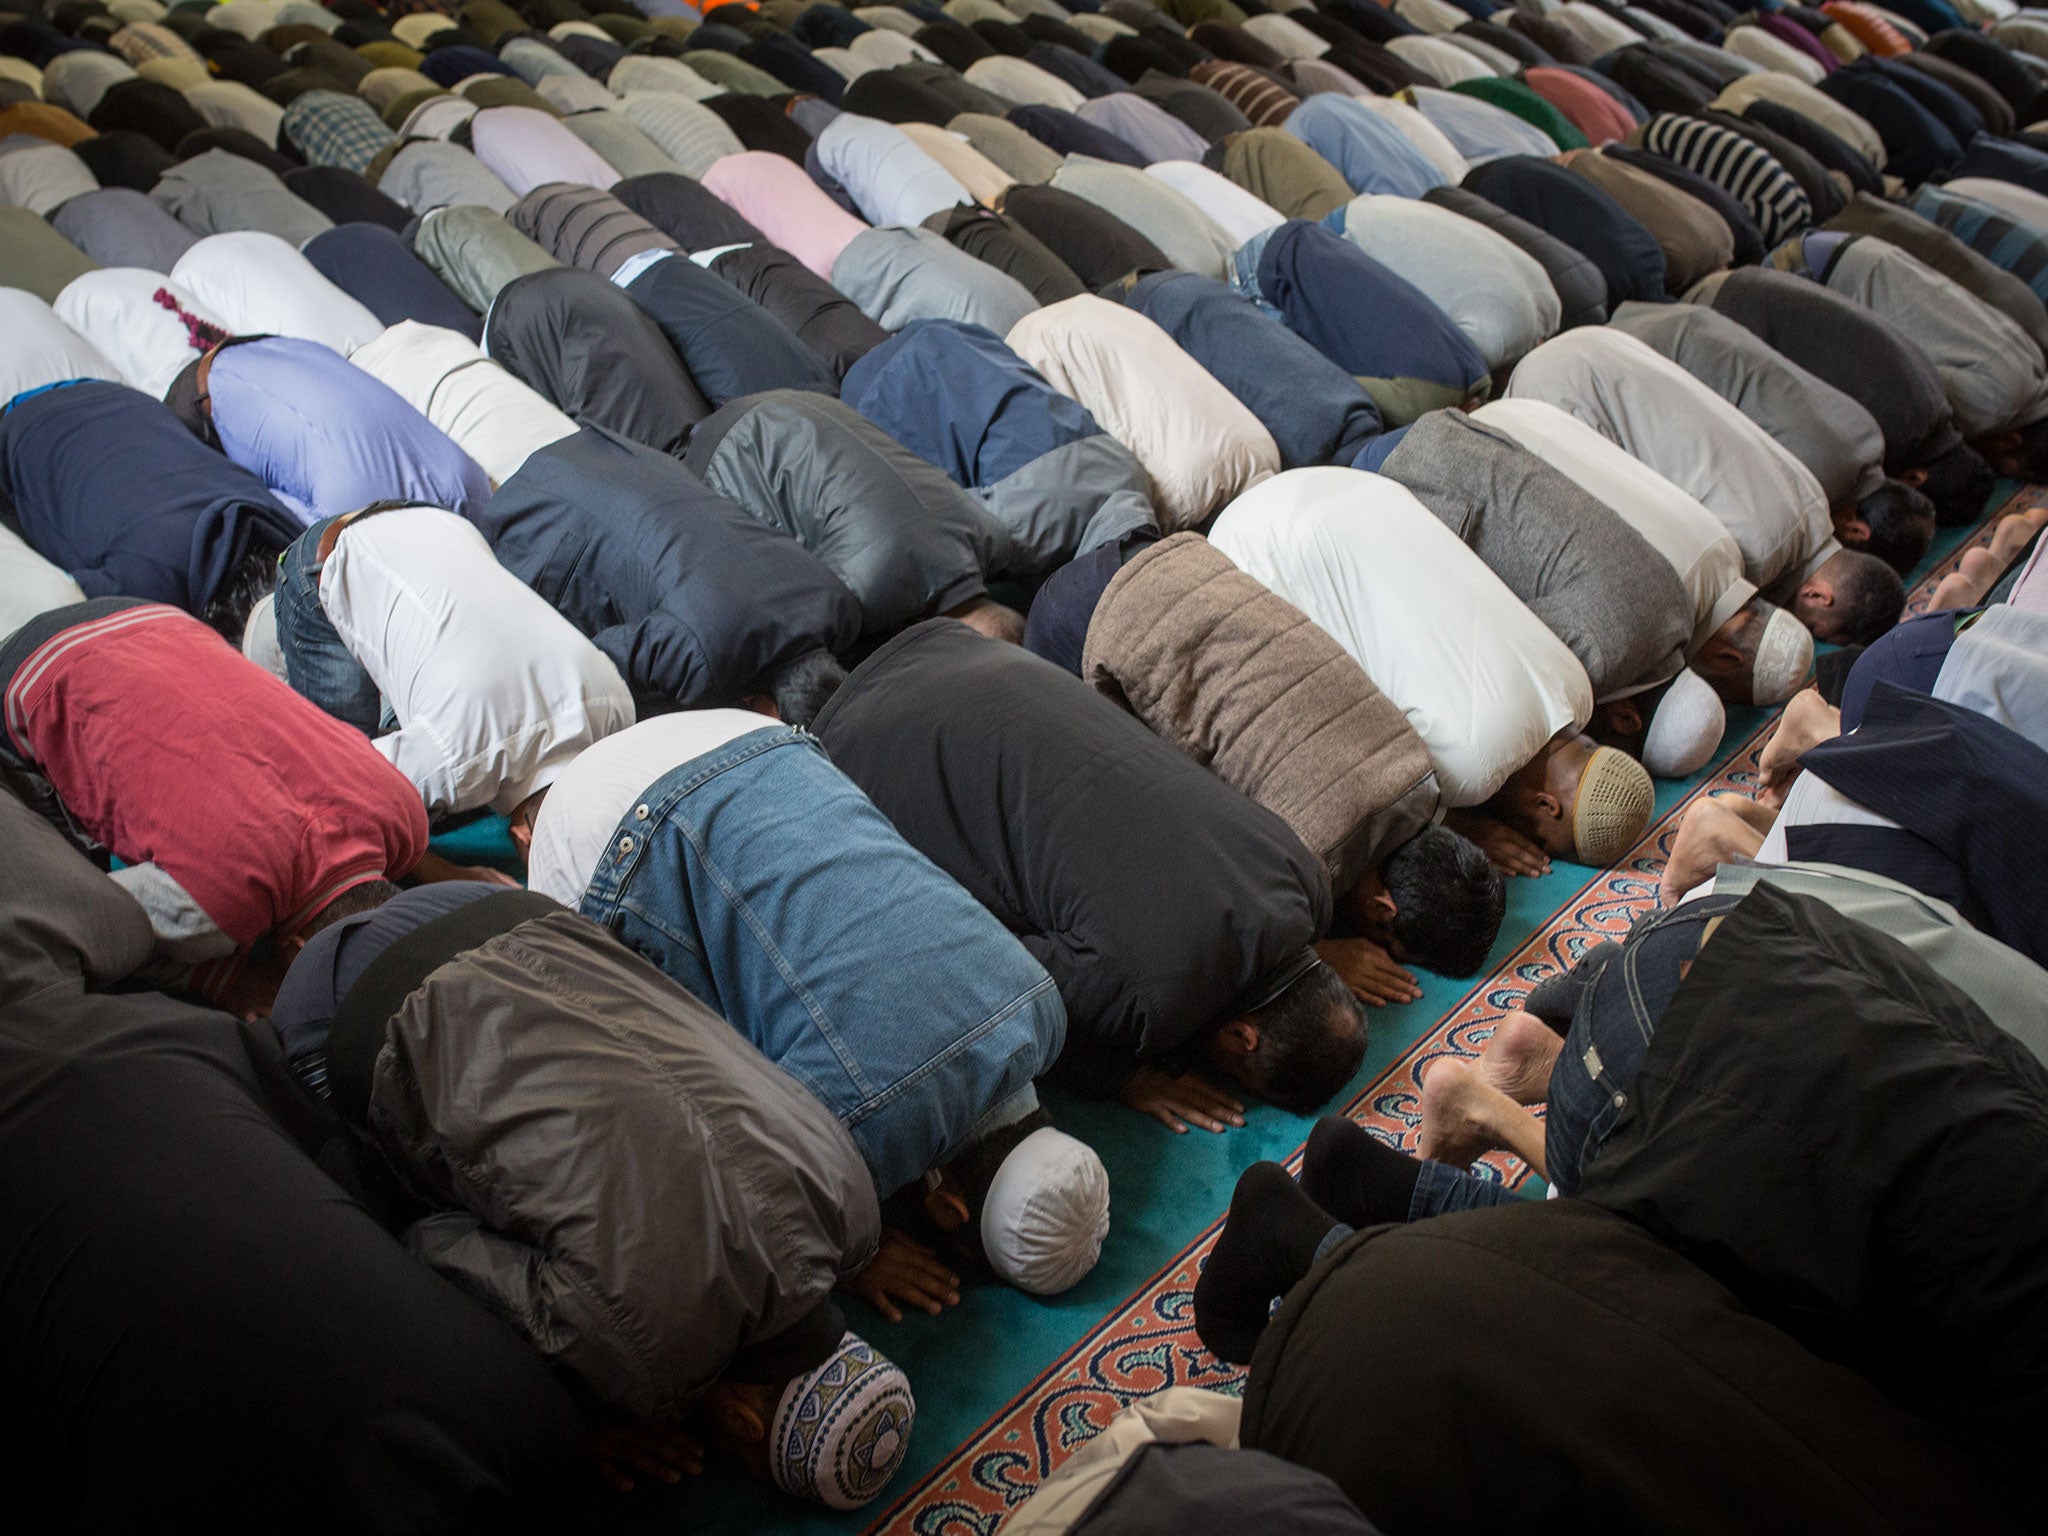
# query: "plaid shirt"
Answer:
x=330 y=128
x=141 y=43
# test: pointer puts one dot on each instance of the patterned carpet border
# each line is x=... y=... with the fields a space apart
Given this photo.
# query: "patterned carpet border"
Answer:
x=1149 y=1343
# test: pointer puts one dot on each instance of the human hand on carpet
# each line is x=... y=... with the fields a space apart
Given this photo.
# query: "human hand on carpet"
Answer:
x=660 y=1451
x=1505 y=848
x=903 y=1269
x=1370 y=972
x=1178 y=1102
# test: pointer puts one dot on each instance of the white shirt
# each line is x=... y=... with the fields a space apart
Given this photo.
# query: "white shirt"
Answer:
x=443 y=375
x=260 y=286
x=40 y=349
x=1626 y=390
x=1198 y=443
x=1482 y=680
x=115 y=309
x=1024 y=83
x=593 y=794
x=1688 y=536
x=1237 y=213
x=1810 y=803
x=29 y=584
x=493 y=689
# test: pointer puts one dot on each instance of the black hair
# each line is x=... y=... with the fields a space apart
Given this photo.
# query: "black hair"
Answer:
x=1869 y=597
x=1311 y=1039
x=975 y=1167
x=1901 y=522
x=1958 y=483
x=972 y=1171
x=2032 y=453
x=804 y=686
x=357 y=899
x=247 y=583
x=1448 y=901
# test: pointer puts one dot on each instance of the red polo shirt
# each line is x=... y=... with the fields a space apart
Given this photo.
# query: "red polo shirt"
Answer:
x=169 y=747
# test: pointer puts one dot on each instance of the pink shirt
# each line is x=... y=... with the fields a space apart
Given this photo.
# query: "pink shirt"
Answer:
x=777 y=198
x=169 y=747
x=1589 y=109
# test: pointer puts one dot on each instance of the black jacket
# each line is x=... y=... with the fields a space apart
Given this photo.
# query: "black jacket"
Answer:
x=199 y=1330
x=584 y=344
x=896 y=529
x=1546 y=1367
x=1852 y=1147
x=1154 y=893
x=694 y=600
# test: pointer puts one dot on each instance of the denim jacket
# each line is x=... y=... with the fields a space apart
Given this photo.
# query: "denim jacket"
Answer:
x=760 y=878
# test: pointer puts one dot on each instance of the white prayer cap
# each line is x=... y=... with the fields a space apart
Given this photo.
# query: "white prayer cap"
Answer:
x=841 y=1431
x=1685 y=729
x=1047 y=1213
x=259 y=638
x=1783 y=658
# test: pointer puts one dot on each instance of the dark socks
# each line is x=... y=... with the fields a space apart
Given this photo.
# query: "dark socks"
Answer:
x=1356 y=1177
x=1268 y=1243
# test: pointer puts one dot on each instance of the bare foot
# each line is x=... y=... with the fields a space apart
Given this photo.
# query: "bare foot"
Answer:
x=2015 y=532
x=1709 y=835
x=1965 y=586
x=1518 y=1059
x=1463 y=1116
x=1807 y=721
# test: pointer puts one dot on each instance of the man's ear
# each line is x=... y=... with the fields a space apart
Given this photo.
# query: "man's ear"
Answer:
x=1548 y=805
x=738 y=1419
x=1240 y=1037
x=1915 y=478
x=761 y=704
x=1624 y=717
x=289 y=946
x=1815 y=593
x=948 y=1211
x=1852 y=529
x=1382 y=906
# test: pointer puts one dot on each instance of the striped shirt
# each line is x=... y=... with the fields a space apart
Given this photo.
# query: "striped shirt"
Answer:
x=1253 y=94
x=692 y=135
x=2018 y=248
x=1745 y=170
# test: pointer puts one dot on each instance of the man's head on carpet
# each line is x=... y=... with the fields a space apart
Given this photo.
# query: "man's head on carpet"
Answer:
x=1578 y=800
x=1851 y=599
x=1957 y=483
x=1894 y=522
x=1436 y=902
x=2021 y=454
x=1672 y=729
x=834 y=1434
x=1297 y=1049
x=1759 y=655
x=1026 y=1203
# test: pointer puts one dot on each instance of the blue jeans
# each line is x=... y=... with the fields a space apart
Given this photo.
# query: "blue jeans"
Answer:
x=762 y=880
x=1612 y=1027
x=316 y=663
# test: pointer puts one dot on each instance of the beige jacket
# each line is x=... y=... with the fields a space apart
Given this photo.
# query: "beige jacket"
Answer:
x=1243 y=681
